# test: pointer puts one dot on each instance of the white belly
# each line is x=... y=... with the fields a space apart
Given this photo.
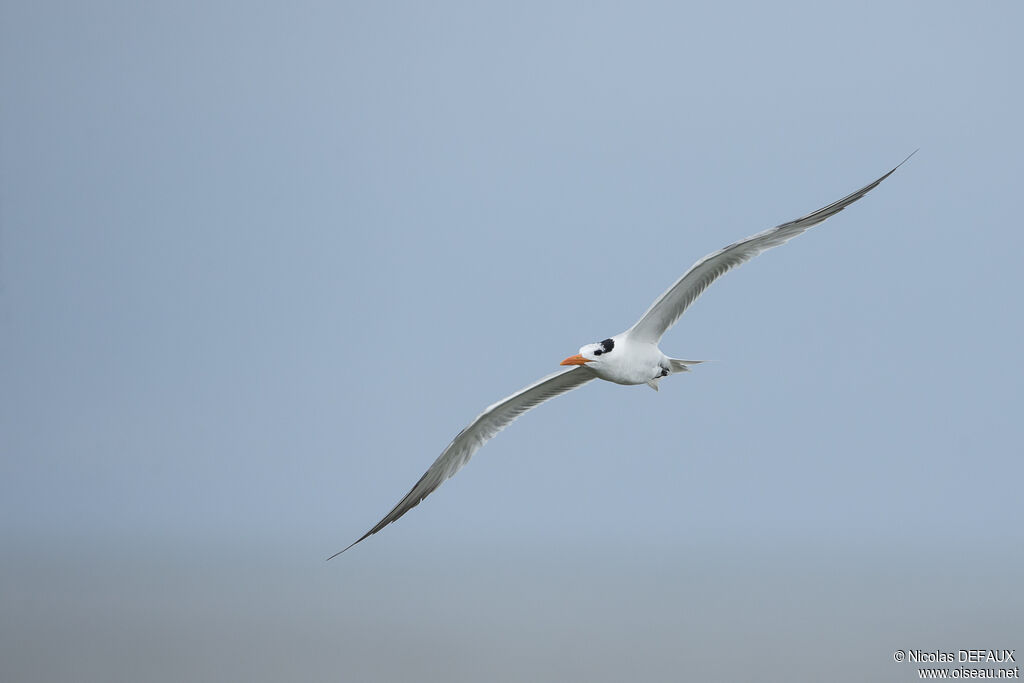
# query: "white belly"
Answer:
x=631 y=364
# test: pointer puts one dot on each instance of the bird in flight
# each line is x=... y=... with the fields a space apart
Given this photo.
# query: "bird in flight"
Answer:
x=630 y=357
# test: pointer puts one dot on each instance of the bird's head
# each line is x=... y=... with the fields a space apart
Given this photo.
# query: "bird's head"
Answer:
x=591 y=353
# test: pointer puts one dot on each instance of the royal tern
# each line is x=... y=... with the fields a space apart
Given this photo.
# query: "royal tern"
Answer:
x=631 y=357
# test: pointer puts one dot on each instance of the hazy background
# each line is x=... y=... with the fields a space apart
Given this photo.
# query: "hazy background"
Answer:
x=258 y=265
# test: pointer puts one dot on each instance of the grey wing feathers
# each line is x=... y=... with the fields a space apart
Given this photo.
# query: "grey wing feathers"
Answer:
x=664 y=312
x=488 y=423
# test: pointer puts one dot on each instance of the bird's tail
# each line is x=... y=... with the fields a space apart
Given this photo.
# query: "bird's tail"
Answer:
x=680 y=365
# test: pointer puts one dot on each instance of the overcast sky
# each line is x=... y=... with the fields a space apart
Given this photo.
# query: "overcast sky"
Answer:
x=259 y=265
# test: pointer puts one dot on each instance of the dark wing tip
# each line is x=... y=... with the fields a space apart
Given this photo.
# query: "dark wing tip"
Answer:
x=899 y=164
x=380 y=525
x=363 y=538
x=408 y=502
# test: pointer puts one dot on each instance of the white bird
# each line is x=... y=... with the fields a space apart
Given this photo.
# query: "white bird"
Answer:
x=631 y=357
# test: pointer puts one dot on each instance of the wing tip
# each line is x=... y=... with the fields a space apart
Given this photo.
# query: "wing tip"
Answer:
x=347 y=547
x=901 y=163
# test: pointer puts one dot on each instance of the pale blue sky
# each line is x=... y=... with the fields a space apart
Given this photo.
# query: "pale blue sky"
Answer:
x=258 y=265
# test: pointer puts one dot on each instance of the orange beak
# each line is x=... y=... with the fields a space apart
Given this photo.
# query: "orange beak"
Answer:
x=574 y=360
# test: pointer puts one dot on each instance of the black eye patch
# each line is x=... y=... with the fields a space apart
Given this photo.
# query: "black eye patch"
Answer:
x=606 y=346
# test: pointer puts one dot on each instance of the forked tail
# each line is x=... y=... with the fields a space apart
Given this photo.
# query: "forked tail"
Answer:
x=680 y=365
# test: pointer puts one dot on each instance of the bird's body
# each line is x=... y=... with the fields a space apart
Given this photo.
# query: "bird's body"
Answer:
x=628 y=358
x=633 y=362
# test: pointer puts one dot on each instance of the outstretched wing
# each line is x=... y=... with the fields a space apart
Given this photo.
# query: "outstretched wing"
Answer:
x=664 y=312
x=479 y=432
